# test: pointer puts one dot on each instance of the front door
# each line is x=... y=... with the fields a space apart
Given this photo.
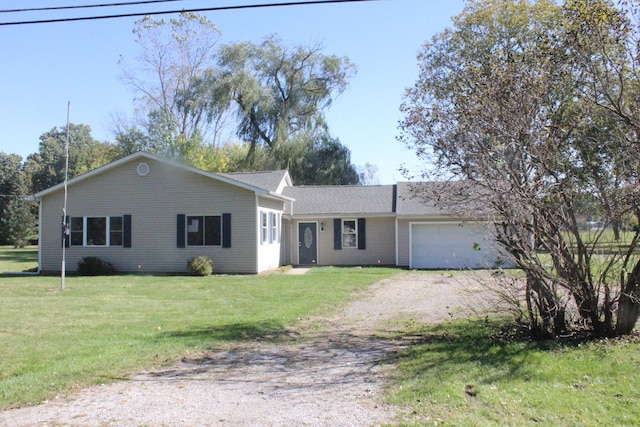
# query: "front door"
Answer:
x=307 y=244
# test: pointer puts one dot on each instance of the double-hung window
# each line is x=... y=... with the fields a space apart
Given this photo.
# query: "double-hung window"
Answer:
x=96 y=231
x=269 y=227
x=274 y=226
x=204 y=230
x=349 y=233
x=116 y=230
x=77 y=231
x=264 y=227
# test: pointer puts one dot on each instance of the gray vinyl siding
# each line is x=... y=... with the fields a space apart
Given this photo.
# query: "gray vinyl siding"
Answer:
x=275 y=205
x=153 y=201
x=380 y=247
x=287 y=242
x=403 y=242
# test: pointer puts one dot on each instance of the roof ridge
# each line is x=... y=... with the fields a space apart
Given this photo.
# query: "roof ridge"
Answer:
x=254 y=172
x=341 y=186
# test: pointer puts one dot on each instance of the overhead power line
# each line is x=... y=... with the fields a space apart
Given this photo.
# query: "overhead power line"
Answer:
x=130 y=3
x=167 y=12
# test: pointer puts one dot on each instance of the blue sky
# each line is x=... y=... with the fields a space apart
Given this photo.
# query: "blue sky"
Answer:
x=44 y=66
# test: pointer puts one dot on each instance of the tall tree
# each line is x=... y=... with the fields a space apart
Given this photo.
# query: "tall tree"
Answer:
x=173 y=55
x=276 y=91
x=47 y=167
x=310 y=160
x=19 y=222
x=190 y=89
x=603 y=41
x=368 y=174
x=325 y=161
x=12 y=187
x=500 y=104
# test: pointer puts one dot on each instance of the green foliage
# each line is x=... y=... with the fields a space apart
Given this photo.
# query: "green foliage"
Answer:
x=94 y=266
x=479 y=372
x=13 y=190
x=325 y=161
x=200 y=266
x=279 y=92
x=174 y=56
x=104 y=328
x=310 y=160
x=19 y=222
x=130 y=140
x=533 y=106
x=47 y=167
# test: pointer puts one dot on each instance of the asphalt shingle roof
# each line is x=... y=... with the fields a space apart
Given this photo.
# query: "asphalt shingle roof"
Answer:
x=267 y=180
x=341 y=200
x=433 y=198
x=414 y=199
x=403 y=199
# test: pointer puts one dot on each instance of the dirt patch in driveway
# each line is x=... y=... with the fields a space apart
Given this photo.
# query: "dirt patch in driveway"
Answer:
x=331 y=373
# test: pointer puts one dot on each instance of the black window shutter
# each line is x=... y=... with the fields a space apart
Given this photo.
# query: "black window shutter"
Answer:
x=226 y=230
x=66 y=231
x=180 y=238
x=362 y=234
x=337 y=233
x=126 y=229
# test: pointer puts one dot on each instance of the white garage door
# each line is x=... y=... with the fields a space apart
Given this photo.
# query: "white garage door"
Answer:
x=452 y=245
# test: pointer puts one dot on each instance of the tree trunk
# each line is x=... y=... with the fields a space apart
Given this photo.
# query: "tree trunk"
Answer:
x=629 y=304
x=587 y=302
x=547 y=310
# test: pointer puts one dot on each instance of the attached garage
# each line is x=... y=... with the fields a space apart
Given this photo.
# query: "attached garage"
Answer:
x=451 y=245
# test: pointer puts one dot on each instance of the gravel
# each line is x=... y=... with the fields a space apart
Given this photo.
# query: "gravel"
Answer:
x=330 y=373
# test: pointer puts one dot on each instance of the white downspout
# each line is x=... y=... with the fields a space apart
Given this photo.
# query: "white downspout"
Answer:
x=40 y=236
x=397 y=243
x=257 y=235
x=291 y=227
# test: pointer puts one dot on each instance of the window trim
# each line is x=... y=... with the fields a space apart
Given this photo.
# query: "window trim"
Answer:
x=354 y=233
x=275 y=226
x=181 y=229
x=107 y=230
x=264 y=227
x=112 y=231
x=269 y=227
x=360 y=233
x=202 y=224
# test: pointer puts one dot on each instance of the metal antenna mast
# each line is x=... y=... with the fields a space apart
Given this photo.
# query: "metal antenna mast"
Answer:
x=65 y=222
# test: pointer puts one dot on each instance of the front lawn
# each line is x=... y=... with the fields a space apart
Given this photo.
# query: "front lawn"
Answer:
x=465 y=373
x=102 y=328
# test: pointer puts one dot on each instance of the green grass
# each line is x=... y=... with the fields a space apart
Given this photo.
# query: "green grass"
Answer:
x=18 y=260
x=515 y=383
x=102 y=328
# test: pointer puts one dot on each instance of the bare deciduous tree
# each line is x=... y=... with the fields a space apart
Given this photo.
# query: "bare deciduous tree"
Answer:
x=172 y=56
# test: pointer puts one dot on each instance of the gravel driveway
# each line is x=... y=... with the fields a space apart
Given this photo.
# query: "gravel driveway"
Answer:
x=328 y=375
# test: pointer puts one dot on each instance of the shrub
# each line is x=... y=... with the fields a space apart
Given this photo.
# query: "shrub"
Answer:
x=200 y=266
x=94 y=266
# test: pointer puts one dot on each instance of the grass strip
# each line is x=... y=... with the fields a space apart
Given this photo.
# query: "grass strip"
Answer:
x=465 y=373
